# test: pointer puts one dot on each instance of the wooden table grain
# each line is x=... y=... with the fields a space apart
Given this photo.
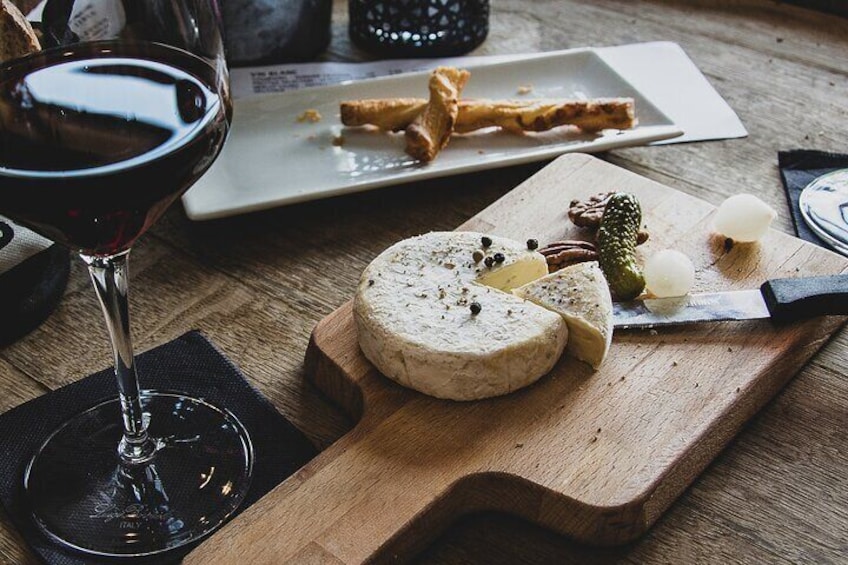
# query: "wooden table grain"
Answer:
x=257 y=285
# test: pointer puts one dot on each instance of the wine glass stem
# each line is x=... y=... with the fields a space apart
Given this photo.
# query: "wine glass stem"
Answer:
x=110 y=276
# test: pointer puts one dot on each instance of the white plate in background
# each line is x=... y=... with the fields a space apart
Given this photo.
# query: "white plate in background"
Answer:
x=272 y=159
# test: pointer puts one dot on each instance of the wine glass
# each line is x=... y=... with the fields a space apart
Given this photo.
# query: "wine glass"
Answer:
x=824 y=207
x=98 y=136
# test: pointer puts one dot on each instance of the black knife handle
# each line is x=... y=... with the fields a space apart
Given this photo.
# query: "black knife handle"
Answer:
x=805 y=297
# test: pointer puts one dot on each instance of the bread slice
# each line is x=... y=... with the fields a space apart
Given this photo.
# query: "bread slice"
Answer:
x=17 y=37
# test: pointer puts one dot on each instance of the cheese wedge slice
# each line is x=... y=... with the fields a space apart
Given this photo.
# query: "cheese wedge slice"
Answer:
x=434 y=318
x=580 y=294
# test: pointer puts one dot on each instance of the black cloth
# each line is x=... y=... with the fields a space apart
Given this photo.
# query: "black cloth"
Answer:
x=798 y=168
x=189 y=364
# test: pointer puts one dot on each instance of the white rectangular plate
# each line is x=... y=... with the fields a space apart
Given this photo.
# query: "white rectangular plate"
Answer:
x=272 y=159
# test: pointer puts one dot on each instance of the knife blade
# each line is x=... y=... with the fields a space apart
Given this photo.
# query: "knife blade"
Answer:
x=781 y=300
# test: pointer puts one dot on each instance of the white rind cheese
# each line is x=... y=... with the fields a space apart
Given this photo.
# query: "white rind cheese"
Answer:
x=580 y=294
x=415 y=323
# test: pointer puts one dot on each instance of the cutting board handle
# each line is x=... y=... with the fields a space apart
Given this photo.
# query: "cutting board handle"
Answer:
x=346 y=506
x=793 y=299
x=379 y=493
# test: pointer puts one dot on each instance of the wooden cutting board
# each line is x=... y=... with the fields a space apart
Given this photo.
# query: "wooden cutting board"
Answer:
x=597 y=456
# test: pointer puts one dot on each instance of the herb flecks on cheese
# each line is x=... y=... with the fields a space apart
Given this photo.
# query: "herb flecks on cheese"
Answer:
x=433 y=316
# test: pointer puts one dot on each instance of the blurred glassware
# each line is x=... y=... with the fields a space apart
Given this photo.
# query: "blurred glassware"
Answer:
x=418 y=28
x=259 y=32
x=824 y=207
x=256 y=32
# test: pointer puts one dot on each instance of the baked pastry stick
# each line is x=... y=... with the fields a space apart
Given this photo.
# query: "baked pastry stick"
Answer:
x=389 y=114
x=542 y=115
x=395 y=114
x=431 y=129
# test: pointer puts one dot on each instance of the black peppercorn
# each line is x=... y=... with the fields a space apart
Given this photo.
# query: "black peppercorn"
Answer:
x=499 y=258
x=532 y=244
x=489 y=261
x=475 y=308
x=486 y=241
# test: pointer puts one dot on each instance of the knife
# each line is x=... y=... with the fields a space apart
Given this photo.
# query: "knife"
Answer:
x=781 y=300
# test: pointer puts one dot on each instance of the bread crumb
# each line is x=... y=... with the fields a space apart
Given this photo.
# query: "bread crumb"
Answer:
x=338 y=140
x=18 y=37
x=525 y=89
x=310 y=115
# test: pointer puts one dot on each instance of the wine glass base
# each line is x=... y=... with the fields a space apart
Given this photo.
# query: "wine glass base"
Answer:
x=85 y=498
x=824 y=207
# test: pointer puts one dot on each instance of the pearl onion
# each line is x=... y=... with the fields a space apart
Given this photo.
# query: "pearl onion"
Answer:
x=744 y=218
x=669 y=273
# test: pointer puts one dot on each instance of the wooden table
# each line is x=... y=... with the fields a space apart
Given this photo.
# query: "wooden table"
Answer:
x=257 y=285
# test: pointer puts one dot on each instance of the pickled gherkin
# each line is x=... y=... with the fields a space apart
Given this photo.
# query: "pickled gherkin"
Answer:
x=617 y=245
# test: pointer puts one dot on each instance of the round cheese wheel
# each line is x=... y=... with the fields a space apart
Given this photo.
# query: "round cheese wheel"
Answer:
x=434 y=313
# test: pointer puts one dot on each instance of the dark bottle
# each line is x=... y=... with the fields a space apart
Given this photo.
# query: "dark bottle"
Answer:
x=418 y=28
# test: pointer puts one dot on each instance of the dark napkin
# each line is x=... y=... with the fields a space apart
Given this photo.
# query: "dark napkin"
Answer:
x=189 y=364
x=799 y=168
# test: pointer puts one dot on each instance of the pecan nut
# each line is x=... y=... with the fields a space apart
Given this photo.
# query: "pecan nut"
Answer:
x=588 y=213
x=559 y=254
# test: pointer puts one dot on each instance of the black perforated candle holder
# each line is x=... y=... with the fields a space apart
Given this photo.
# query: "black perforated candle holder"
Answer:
x=418 y=28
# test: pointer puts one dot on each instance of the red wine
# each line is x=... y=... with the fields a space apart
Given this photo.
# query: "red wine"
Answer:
x=96 y=140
